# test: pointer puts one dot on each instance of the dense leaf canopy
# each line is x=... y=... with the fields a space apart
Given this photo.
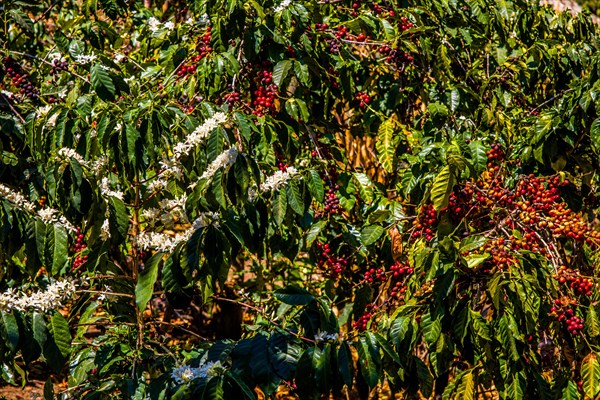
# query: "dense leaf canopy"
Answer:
x=218 y=198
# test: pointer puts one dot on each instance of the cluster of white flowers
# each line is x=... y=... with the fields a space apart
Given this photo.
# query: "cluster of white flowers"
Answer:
x=43 y=111
x=51 y=216
x=155 y=25
x=161 y=241
x=66 y=153
x=85 y=58
x=278 y=179
x=99 y=164
x=198 y=135
x=158 y=184
x=324 y=336
x=7 y=93
x=223 y=160
x=170 y=211
x=16 y=198
x=167 y=243
x=47 y=215
x=171 y=166
x=118 y=57
x=282 y=6
x=185 y=373
x=107 y=191
x=105 y=230
x=44 y=300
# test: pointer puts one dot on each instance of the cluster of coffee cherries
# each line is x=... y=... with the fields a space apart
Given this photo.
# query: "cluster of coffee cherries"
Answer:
x=400 y=271
x=203 y=49
x=332 y=202
x=581 y=285
x=232 y=98
x=265 y=94
x=80 y=246
x=59 y=65
x=395 y=56
x=495 y=153
x=281 y=164
x=361 y=323
x=425 y=223
x=362 y=98
x=204 y=45
x=405 y=24
x=188 y=69
x=574 y=323
x=321 y=27
x=373 y=275
x=20 y=79
x=501 y=252
x=342 y=32
x=333 y=265
x=563 y=311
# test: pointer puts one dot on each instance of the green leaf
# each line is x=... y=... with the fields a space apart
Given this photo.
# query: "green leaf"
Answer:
x=478 y=155
x=118 y=218
x=399 y=329
x=241 y=384
x=590 y=375
x=279 y=207
x=40 y=330
x=386 y=145
x=294 y=197
x=322 y=367
x=475 y=260
x=370 y=234
x=385 y=346
x=442 y=187
x=515 y=387
x=592 y=325
x=48 y=390
x=57 y=242
x=431 y=328
x=595 y=134
x=214 y=389
x=146 y=280
x=570 y=392
x=466 y=388
x=280 y=71
x=313 y=232
x=102 y=82
x=294 y=295
x=301 y=71
x=315 y=185
x=345 y=364
x=59 y=331
x=11 y=330
x=368 y=368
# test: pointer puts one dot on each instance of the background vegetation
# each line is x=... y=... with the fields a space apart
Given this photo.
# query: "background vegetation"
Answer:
x=221 y=198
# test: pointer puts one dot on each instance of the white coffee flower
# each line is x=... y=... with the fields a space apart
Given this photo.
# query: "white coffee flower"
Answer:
x=223 y=160
x=278 y=179
x=84 y=59
x=118 y=57
x=66 y=153
x=16 y=198
x=282 y=6
x=153 y=24
x=43 y=300
x=105 y=230
x=324 y=336
x=107 y=191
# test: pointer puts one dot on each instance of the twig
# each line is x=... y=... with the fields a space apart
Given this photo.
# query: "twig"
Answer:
x=262 y=312
x=106 y=293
